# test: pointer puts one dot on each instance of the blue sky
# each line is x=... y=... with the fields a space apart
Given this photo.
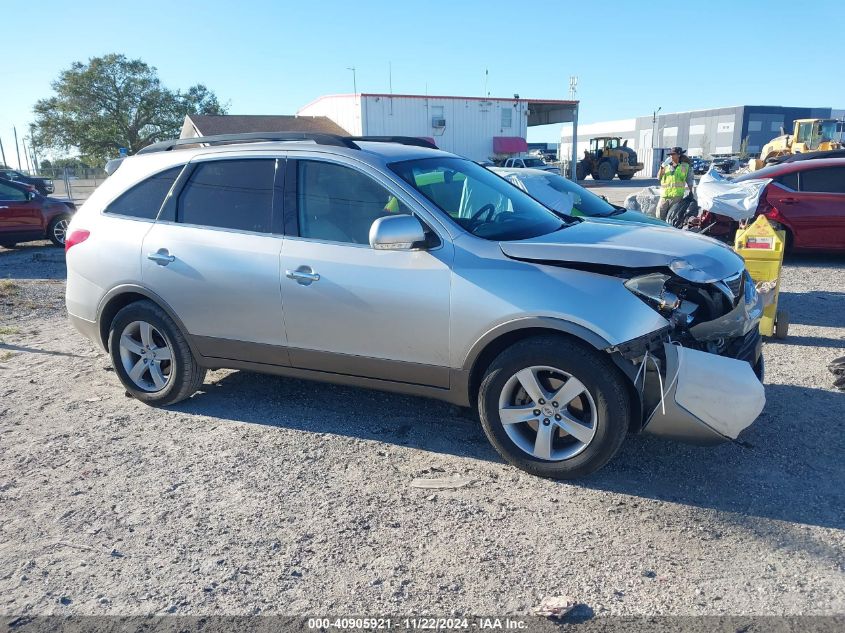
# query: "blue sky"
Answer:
x=274 y=57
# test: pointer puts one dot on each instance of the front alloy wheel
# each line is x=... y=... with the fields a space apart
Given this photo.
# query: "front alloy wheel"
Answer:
x=57 y=231
x=548 y=413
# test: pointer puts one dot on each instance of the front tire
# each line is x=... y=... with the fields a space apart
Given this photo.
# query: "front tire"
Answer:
x=151 y=356
x=554 y=407
x=57 y=230
x=606 y=171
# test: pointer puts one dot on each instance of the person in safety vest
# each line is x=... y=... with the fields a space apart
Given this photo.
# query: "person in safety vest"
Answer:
x=675 y=176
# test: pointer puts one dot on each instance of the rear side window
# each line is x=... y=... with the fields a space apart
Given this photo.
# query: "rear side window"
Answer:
x=789 y=180
x=824 y=180
x=229 y=194
x=144 y=199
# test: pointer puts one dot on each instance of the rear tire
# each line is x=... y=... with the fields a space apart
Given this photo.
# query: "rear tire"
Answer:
x=781 y=324
x=57 y=230
x=626 y=176
x=140 y=332
x=606 y=171
x=541 y=444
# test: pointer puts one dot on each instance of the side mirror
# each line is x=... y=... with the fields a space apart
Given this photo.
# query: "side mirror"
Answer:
x=30 y=196
x=396 y=233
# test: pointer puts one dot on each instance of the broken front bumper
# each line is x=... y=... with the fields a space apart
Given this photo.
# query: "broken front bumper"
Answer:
x=707 y=399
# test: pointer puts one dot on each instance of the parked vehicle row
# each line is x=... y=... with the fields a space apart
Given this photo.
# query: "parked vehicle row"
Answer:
x=27 y=215
x=44 y=186
x=397 y=266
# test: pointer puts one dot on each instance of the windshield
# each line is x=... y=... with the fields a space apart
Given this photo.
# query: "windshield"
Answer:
x=556 y=192
x=828 y=131
x=477 y=199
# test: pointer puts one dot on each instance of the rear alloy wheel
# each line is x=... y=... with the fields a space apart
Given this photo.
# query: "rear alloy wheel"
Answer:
x=151 y=356
x=57 y=231
x=554 y=407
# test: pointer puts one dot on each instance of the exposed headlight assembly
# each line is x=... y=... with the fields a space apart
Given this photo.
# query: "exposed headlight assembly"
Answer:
x=652 y=288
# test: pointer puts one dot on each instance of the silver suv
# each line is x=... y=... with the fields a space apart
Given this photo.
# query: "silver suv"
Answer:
x=387 y=263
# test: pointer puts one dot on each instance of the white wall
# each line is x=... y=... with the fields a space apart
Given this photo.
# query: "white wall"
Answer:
x=470 y=127
x=471 y=124
x=342 y=109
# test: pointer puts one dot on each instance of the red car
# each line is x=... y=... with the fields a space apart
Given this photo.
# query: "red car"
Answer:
x=807 y=199
x=26 y=215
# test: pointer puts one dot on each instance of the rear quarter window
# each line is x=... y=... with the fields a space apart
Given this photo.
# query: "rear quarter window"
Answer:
x=145 y=199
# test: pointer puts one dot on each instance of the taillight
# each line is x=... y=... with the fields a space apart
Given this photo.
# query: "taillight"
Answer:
x=76 y=237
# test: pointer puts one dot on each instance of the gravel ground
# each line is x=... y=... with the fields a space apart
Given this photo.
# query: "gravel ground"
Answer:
x=270 y=495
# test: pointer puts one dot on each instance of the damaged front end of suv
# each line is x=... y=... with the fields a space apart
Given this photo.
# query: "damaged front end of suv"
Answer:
x=699 y=376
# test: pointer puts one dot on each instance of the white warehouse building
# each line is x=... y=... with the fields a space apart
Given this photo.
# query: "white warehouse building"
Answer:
x=476 y=127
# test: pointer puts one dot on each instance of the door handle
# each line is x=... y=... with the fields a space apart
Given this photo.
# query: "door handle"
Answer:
x=789 y=200
x=303 y=275
x=161 y=257
x=4 y=207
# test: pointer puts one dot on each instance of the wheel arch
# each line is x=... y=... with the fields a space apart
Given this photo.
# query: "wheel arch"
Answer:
x=489 y=346
x=120 y=297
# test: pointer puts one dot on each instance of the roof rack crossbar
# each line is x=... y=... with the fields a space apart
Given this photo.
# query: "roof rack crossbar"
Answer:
x=404 y=140
x=251 y=137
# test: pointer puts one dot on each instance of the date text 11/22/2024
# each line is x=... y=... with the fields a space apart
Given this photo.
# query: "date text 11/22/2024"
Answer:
x=417 y=624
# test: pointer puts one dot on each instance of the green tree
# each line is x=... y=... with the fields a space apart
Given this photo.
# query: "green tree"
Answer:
x=113 y=102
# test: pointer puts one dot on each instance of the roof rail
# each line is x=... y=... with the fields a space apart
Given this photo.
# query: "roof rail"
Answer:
x=416 y=141
x=251 y=137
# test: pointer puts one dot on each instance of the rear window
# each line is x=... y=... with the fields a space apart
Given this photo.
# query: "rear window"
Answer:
x=230 y=194
x=144 y=199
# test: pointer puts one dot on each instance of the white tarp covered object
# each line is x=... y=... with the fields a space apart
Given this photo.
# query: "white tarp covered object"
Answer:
x=722 y=196
x=644 y=201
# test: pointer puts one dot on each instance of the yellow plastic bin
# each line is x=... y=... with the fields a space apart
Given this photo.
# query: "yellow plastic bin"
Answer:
x=762 y=249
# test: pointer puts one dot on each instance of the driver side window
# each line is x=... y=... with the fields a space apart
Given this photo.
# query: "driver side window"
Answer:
x=339 y=204
x=10 y=193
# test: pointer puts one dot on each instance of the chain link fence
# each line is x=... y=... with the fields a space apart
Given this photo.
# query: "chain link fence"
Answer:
x=74 y=183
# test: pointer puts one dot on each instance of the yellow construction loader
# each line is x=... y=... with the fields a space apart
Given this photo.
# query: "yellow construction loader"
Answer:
x=606 y=158
x=810 y=135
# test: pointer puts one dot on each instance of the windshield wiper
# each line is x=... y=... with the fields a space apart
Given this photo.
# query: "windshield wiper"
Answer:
x=617 y=210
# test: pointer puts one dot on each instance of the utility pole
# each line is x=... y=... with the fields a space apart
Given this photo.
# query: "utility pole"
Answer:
x=573 y=87
x=354 y=79
x=390 y=82
x=17 y=149
x=26 y=156
x=653 y=124
x=2 y=152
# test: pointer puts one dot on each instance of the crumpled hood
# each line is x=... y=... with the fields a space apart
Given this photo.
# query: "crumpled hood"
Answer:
x=632 y=245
